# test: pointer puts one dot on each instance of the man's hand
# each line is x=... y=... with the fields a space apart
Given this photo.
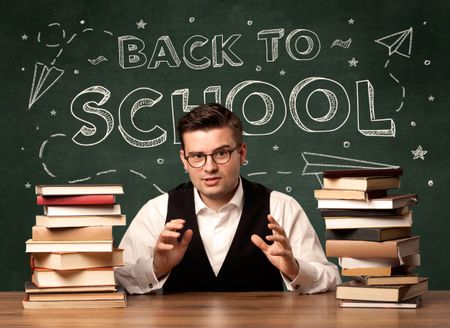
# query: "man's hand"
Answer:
x=280 y=252
x=168 y=251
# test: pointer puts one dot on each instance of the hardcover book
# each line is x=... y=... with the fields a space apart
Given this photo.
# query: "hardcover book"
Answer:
x=369 y=234
x=78 y=189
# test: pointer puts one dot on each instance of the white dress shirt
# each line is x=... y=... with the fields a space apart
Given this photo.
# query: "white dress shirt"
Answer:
x=217 y=230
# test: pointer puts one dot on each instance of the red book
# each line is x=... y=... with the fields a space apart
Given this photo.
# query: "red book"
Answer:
x=76 y=200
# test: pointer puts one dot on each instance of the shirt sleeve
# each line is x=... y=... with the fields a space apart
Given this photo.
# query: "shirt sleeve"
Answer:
x=316 y=273
x=137 y=275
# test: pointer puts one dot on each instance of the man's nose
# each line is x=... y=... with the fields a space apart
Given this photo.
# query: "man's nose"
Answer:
x=210 y=164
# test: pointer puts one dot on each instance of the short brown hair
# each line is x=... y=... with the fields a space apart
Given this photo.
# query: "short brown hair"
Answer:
x=210 y=116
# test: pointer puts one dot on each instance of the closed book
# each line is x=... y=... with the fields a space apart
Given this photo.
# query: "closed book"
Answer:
x=369 y=234
x=412 y=303
x=80 y=210
x=388 y=202
x=76 y=200
x=342 y=212
x=86 y=304
x=351 y=262
x=48 y=297
x=380 y=172
x=74 y=261
x=360 y=248
x=73 y=278
x=362 y=183
x=336 y=222
x=68 y=246
x=40 y=233
x=377 y=271
x=80 y=221
x=408 y=279
x=31 y=288
x=348 y=194
x=78 y=189
x=354 y=290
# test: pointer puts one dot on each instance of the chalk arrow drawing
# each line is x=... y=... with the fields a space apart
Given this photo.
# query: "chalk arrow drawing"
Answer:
x=315 y=163
x=43 y=79
x=399 y=43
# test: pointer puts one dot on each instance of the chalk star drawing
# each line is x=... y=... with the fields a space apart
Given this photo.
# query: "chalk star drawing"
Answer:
x=53 y=113
x=419 y=153
x=275 y=147
x=27 y=185
x=282 y=72
x=24 y=37
x=399 y=43
x=353 y=62
x=141 y=24
x=316 y=163
x=351 y=21
x=431 y=98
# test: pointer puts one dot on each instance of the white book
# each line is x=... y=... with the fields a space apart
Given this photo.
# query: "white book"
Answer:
x=80 y=221
x=69 y=246
x=79 y=210
x=388 y=202
x=78 y=189
x=351 y=262
x=348 y=222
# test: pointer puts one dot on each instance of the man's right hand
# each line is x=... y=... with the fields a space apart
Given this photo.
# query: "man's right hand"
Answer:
x=168 y=251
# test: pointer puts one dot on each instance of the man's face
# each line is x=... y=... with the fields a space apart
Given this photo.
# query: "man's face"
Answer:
x=216 y=183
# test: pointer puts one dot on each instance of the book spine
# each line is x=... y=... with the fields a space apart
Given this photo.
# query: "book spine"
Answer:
x=360 y=249
x=76 y=200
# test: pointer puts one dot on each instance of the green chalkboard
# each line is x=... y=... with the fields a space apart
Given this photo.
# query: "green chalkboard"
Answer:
x=91 y=91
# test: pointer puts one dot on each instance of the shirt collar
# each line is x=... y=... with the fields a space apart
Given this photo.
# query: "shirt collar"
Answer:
x=237 y=199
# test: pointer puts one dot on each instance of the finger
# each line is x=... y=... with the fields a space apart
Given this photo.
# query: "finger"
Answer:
x=259 y=242
x=187 y=237
x=280 y=252
x=276 y=229
x=169 y=234
x=164 y=247
x=176 y=224
x=281 y=241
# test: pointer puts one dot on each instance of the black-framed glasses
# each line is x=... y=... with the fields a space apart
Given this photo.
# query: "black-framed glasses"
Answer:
x=221 y=156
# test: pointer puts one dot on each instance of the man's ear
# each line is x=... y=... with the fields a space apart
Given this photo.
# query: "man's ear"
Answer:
x=243 y=153
x=184 y=161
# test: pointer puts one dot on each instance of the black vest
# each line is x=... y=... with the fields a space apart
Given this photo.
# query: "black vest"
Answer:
x=245 y=268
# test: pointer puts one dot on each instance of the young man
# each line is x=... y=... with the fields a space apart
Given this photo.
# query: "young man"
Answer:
x=221 y=232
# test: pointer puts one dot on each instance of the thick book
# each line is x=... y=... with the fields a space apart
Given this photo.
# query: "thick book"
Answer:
x=363 y=183
x=31 y=288
x=383 y=172
x=348 y=194
x=354 y=290
x=91 y=296
x=377 y=271
x=351 y=262
x=388 y=202
x=407 y=279
x=336 y=222
x=86 y=304
x=341 y=212
x=397 y=248
x=80 y=221
x=79 y=189
x=80 y=210
x=369 y=234
x=74 y=261
x=68 y=246
x=412 y=303
x=40 y=233
x=76 y=200
x=73 y=278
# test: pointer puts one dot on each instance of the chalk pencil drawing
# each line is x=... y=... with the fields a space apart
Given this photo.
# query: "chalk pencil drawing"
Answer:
x=195 y=41
x=271 y=38
x=44 y=78
x=399 y=43
x=97 y=60
x=419 y=153
x=316 y=163
x=340 y=43
x=141 y=24
x=138 y=174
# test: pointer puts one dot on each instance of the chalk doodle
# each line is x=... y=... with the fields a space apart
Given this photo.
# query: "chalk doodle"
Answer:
x=419 y=153
x=399 y=43
x=316 y=163
x=342 y=44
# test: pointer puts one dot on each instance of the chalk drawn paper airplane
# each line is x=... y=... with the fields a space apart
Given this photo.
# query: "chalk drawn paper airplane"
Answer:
x=315 y=163
x=43 y=79
x=399 y=43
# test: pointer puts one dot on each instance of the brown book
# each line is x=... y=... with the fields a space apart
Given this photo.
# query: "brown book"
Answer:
x=68 y=246
x=376 y=249
x=370 y=234
x=361 y=183
x=412 y=303
x=40 y=233
x=408 y=279
x=377 y=271
x=78 y=260
x=90 y=304
x=80 y=221
x=354 y=290
x=73 y=278
x=381 y=172
x=78 y=189
x=31 y=288
x=348 y=194
x=91 y=296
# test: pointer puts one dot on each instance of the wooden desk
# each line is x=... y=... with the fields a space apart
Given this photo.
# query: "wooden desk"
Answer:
x=263 y=309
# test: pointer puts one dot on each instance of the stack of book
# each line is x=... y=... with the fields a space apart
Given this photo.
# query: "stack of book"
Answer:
x=72 y=253
x=369 y=230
